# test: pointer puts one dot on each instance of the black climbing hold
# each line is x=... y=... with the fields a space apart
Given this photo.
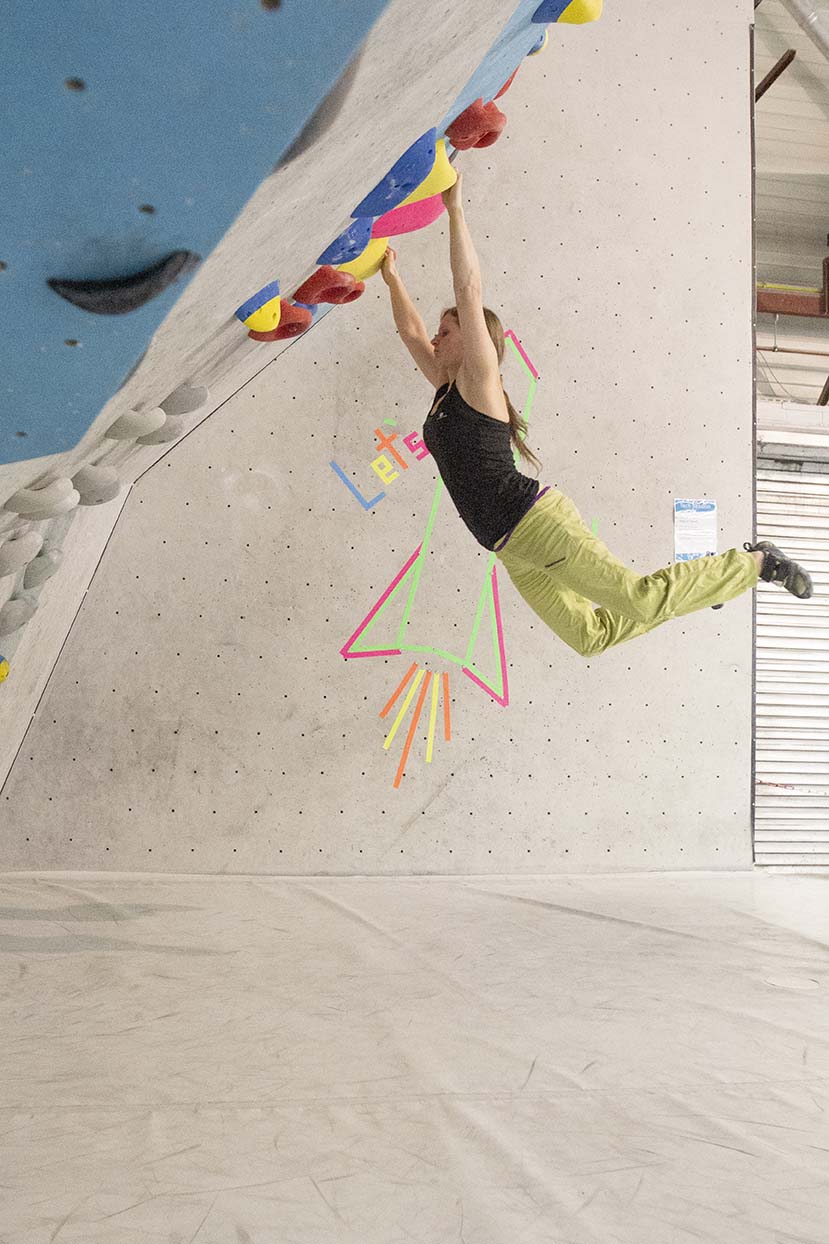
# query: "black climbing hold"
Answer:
x=126 y=293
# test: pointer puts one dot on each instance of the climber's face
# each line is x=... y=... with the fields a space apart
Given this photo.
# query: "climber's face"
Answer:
x=448 y=343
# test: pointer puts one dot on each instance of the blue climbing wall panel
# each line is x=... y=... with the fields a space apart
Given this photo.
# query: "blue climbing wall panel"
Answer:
x=137 y=135
x=185 y=108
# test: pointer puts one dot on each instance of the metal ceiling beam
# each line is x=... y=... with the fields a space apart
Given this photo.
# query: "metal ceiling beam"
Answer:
x=814 y=354
x=813 y=20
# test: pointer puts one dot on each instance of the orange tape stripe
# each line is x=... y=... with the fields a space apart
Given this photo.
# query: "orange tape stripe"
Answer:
x=397 y=693
x=447 y=729
x=412 y=728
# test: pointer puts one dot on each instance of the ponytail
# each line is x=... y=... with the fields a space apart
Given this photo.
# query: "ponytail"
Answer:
x=517 y=425
x=518 y=431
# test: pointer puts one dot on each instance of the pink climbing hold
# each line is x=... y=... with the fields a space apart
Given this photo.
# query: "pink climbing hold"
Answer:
x=408 y=219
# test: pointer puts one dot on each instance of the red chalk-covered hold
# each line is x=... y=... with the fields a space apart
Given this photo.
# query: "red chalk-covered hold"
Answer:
x=479 y=125
x=328 y=284
x=293 y=321
x=497 y=123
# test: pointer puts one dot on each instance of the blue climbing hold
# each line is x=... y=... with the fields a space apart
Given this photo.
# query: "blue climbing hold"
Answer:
x=265 y=294
x=549 y=11
x=413 y=167
x=349 y=245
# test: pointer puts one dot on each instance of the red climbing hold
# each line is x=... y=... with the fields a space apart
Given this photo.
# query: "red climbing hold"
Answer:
x=497 y=121
x=328 y=285
x=479 y=125
x=352 y=295
x=292 y=322
x=506 y=85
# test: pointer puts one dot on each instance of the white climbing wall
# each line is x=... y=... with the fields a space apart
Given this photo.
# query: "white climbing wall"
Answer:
x=201 y=717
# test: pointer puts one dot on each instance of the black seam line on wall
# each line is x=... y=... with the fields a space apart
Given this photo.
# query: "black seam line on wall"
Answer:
x=230 y=396
x=753 y=274
x=65 y=642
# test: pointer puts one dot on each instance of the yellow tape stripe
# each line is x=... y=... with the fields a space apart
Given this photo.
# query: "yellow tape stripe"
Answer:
x=433 y=715
x=403 y=709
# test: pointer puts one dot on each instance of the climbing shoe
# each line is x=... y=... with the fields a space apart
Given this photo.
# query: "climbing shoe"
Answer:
x=778 y=568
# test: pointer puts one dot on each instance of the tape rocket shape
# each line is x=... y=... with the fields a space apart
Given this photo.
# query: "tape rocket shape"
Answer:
x=385 y=630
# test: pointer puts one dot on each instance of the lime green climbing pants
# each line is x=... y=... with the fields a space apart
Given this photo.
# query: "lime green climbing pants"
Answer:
x=561 y=568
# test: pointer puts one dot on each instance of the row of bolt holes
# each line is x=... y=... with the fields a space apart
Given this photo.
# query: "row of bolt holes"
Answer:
x=402 y=852
x=566 y=850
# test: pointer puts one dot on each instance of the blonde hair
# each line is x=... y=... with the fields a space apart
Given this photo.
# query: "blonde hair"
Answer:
x=517 y=425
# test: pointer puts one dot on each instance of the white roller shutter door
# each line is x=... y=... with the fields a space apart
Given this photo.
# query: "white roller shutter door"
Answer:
x=792 y=700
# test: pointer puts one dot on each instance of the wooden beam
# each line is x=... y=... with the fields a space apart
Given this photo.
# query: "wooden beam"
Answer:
x=774 y=73
x=781 y=302
x=823 y=400
x=796 y=302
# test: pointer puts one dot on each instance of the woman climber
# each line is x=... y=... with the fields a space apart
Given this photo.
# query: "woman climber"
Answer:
x=558 y=566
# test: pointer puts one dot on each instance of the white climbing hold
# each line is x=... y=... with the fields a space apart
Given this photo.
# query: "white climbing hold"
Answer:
x=61 y=507
x=19 y=551
x=16 y=613
x=136 y=423
x=42 y=567
x=175 y=427
x=96 y=484
x=36 y=503
x=185 y=399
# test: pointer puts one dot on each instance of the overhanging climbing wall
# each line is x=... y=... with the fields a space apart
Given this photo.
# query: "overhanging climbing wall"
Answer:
x=313 y=208
x=248 y=643
x=325 y=204
x=132 y=151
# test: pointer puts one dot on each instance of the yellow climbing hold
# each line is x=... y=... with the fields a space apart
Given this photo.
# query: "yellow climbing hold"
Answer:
x=580 y=11
x=4 y=669
x=266 y=317
x=368 y=262
x=441 y=177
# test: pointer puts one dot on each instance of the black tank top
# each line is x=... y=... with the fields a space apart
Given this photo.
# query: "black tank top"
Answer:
x=473 y=453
